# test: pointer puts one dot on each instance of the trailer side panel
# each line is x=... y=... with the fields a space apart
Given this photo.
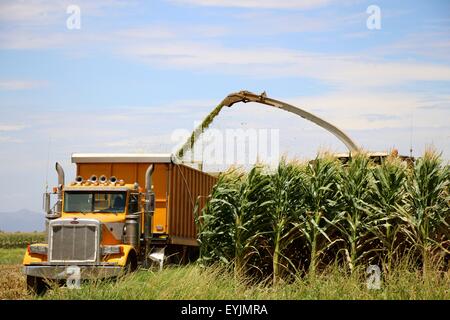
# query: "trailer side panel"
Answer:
x=187 y=186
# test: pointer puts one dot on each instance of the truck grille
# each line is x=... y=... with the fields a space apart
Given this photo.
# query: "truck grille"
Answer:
x=74 y=243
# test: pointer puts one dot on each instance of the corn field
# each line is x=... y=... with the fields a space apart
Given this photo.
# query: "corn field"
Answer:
x=303 y=217
x=9 y=240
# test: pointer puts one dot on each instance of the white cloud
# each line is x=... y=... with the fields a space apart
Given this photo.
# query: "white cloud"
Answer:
x=30 y=12
x=260 y=4
x=10 y=140
x=47 y=12
x=11 y=127
x=41 y=24
x=161 y=142
x=270 y=62
x=172 y=31
x=437 y=45
x=183 y=47
x=378 y=110
x=125 y=127
x=12 y=85
x=254 y=23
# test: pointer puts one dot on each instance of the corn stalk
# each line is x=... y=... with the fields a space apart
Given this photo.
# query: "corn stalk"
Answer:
x=286 y=199
x=388 y=190
x=426 y=209
x=358 y=219
x=319 y=213
x=304 y=215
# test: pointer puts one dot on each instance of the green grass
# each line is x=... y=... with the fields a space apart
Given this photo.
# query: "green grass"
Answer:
x=11 y=256
x=195 y=282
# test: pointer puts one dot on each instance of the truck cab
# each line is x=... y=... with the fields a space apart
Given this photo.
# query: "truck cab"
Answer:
x=96 y=229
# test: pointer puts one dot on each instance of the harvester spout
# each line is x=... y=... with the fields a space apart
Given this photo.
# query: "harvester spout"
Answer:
x=247 y=96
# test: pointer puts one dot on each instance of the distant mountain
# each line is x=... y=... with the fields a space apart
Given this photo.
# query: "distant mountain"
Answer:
x=22 y=220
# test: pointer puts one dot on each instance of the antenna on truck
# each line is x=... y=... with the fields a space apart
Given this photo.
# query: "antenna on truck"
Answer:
x=411 y=136
x=48 y=163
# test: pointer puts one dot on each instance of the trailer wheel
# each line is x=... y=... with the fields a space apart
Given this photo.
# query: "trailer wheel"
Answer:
x=36 y=285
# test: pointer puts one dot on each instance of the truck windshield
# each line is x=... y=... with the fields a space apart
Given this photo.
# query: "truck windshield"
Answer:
x=86 y=202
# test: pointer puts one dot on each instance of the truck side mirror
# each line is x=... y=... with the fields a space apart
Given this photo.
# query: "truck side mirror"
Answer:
x=46 y=205
x=133 y=204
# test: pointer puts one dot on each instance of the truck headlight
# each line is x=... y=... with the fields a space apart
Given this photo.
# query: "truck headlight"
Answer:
x=35 y=249
x=111 y=250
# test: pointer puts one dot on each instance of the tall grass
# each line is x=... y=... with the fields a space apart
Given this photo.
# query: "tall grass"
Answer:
x=215 y=282
x=304 y=217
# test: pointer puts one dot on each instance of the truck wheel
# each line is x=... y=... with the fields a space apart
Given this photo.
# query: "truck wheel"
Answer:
x=36 y=285
x=131 y=264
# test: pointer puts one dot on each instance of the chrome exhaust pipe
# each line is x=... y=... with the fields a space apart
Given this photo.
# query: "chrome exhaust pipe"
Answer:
x=148 y=213
x=60 y=171
x=148 y=178
x=61 y=179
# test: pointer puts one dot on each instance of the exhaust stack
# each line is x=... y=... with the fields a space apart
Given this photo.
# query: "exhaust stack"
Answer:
x=148 y=178
x=61 y=179
x=149 y=210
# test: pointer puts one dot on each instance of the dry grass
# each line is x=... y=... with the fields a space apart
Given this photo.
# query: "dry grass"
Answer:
x=12 y=283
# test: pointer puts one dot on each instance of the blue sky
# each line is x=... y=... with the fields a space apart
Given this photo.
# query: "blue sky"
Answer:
x=137 y=70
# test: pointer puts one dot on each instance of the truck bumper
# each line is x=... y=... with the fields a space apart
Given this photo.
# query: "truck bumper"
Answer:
x=60 y=272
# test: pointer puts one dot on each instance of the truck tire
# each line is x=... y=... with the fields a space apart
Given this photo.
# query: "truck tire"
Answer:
x=36 y=285
x=131 y=264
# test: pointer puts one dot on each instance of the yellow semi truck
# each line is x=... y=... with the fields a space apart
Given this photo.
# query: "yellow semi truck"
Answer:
x=121 y=209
